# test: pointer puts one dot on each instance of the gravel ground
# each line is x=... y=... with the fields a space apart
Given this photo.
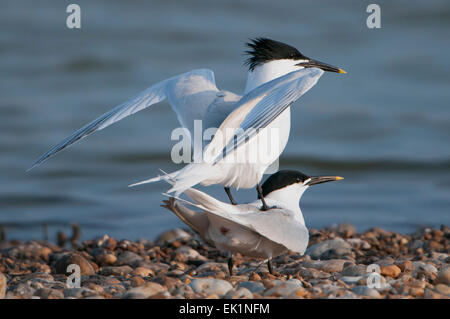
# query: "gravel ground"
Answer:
x=178 y=265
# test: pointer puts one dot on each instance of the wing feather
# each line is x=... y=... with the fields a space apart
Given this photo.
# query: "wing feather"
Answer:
x=272 y=99
x=146 y=98
x=278 y=225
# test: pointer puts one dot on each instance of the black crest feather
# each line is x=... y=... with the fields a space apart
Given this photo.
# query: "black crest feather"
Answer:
x=282 y=179
x=263 y=50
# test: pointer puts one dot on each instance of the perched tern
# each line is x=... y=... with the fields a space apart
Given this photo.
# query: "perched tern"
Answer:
x=278 y=75
x=247 y=229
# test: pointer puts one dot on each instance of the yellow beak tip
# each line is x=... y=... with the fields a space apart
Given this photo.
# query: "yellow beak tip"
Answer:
x=342 y=71
x=339 y=178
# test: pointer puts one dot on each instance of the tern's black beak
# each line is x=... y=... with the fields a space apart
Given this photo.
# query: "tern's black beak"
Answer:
x=322 y=179
x=317 y=64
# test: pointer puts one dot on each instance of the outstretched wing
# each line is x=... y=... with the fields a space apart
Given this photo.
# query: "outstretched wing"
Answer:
x=150 y=96
x=260 y=107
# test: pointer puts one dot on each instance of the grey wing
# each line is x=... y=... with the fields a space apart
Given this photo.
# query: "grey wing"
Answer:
x=277 y=225
x=278 y=95
x=148 y=97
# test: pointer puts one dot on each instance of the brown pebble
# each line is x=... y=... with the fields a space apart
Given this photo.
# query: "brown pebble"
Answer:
x=136 y=281
x=62 y=263
x=106 y=259
x=302 y=292
x=391 y=271
x=416 y=292
x=442 y=289
x=406 y=266
x=94 y=265
x=254 y=277
x=143 y=272
x=443 y=276
x=95 y=287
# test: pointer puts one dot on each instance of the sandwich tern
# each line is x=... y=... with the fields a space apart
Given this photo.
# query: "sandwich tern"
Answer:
x=278 y=75
x=247 y=229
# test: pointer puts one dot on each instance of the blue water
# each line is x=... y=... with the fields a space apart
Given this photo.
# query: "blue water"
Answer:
x=384 y=126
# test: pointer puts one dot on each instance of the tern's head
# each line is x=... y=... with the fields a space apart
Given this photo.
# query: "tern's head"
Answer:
x=292 y=184
x=269 y=59
x=263 y=50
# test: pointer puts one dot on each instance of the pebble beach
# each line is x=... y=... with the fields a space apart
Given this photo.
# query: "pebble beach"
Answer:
x=179 y=265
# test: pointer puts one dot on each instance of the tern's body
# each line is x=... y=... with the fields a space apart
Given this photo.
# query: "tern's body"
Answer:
x=245 y=228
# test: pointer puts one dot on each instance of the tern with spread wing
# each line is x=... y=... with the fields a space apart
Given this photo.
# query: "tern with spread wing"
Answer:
x=247 y=229
x=278 y=75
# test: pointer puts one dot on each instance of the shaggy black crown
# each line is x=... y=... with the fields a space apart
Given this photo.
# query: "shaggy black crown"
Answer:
x=263 y=50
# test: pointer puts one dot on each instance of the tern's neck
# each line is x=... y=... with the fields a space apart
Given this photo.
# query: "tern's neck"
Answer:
x=269 y=71
x=289 y=197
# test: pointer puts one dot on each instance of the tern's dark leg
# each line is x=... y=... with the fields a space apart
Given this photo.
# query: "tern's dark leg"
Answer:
x=230 y=265
x=259 y=190
x=227 y=190
x=269 y=266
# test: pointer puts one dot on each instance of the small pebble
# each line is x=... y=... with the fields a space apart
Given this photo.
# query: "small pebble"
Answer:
x=210 y=286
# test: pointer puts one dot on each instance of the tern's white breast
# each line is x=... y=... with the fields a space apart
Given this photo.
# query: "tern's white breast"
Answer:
x=245 y=167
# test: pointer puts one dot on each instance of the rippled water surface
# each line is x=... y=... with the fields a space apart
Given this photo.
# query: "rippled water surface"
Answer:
x=385 y=126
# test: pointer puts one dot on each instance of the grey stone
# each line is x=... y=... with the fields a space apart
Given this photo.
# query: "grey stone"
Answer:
x=189 y=253
x=212 y=266
x=172 y=235
x=116 y=270
x=421 y=267
x=354 y=270
x=182 y=289
x=359 y=243
x=284 y=288
x=350 y=280
x=211 y=286
x=253 y=286
x=49 y=293
x=129 y=258
x=23 y=290
x=78 y=292
x=327 y=248
x=331 y=265
x=239 y=293
x=366 y=291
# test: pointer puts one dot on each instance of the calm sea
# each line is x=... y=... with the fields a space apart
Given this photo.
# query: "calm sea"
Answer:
x=384 y=126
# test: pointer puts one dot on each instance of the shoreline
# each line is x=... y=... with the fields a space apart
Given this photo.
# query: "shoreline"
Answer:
x=338 y=264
